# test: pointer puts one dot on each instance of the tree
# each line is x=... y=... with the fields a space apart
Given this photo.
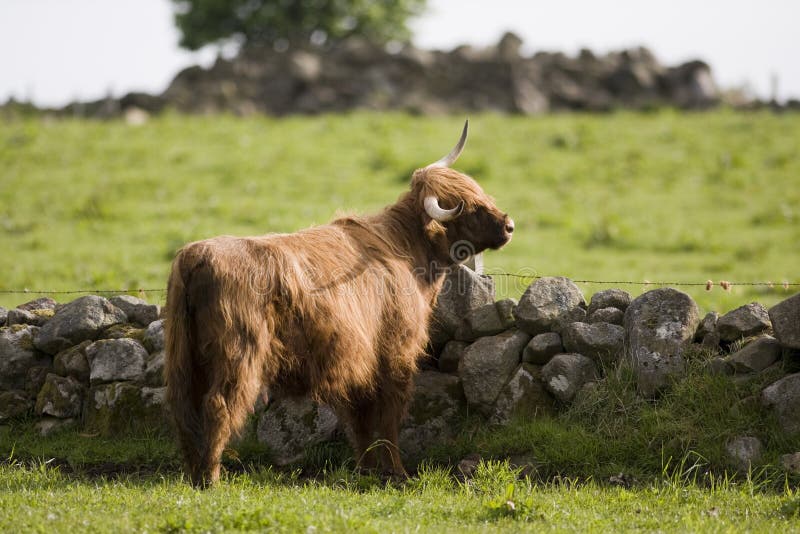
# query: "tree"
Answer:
x=292 y=22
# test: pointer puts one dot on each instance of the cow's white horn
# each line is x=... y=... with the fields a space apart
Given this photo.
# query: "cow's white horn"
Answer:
x=453 y=155
x=440 y=214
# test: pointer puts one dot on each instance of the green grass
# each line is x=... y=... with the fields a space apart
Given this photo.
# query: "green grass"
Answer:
x=40 y=498
x=622 y=197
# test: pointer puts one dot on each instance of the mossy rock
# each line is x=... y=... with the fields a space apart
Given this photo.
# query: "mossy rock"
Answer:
x=122 y=407
x=18 y=355
x=293 y=424
x=60 y=396
x=26 y=340
x=44 y=312
x=523 y=397
x=123 y=330
x=73 y=362
x=14 y=404
x=434 y=414
x=37 y=375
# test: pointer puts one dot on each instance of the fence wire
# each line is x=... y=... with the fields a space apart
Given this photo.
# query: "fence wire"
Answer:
x=708 y=284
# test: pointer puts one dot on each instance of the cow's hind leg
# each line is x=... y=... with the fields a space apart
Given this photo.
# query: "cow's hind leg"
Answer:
x=362 y=417
x=225 y=408
x=392 y=404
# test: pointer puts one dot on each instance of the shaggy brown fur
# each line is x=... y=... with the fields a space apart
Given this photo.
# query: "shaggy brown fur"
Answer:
x=339 y=312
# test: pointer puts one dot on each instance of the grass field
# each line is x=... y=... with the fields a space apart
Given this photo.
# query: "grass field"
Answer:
x=40 y=499
x=622 y=197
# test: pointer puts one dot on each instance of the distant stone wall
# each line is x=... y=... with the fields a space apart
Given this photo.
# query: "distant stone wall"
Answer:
x=357 y=75
x=97 y=364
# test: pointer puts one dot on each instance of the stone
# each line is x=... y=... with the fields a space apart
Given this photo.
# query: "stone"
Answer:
x=48 y=426
x=42 y=303
x=487 y=364
x=121 y=330
x=14 y=404
x=18 y=316
x=73 y=362
x=791 y=462
x=524 y=396
x=451 y=355
x=542 y=347
x=756 y=355
x=480 y=322
x=659 y=326
x=508 y=48
x=526 y=465
x=61 y=396
x=115 y=359
x=18 y=354
x=154 y=397
x=137 y=310
x=783 y=398
x=505 y=310
x=154 y=336
x=609 y=298
x=707 y=326
x=436 y=403
x=691 y=85
x=468 y=465
x=601 y=342
x=785 y=318
x=462 y=291
x=606 y=315
x=565 y=374
x=122 y=407
x=291 y=425
x=745 y=321
x=83 y=318
x=711 y=341
x=305 y=66
x=154 y=369
x=744 y=452
x=549 y=304
x=37 y=375
x=719 y=366
x=3 y=316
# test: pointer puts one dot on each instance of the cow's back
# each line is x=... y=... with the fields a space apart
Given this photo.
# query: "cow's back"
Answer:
x=336 y=309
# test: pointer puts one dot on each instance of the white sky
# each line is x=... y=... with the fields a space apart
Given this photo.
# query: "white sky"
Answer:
x=55 y=51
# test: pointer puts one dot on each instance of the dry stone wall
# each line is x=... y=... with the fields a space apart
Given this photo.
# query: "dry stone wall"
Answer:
x=97 y=363
x=355 y=74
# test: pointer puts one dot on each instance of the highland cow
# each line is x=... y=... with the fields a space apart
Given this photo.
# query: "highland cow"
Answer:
x=339 y=312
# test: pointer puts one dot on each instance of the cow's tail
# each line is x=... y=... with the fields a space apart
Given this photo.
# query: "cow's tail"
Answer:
x=184 y=377
x=217 y=337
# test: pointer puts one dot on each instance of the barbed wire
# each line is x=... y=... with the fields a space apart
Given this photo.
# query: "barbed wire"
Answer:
x=78 y=291
x=708 y=284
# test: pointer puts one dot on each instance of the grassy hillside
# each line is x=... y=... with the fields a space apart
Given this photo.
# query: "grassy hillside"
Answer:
x=622 y=197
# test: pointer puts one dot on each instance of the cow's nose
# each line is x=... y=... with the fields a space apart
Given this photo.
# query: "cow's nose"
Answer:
x=510 y=226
